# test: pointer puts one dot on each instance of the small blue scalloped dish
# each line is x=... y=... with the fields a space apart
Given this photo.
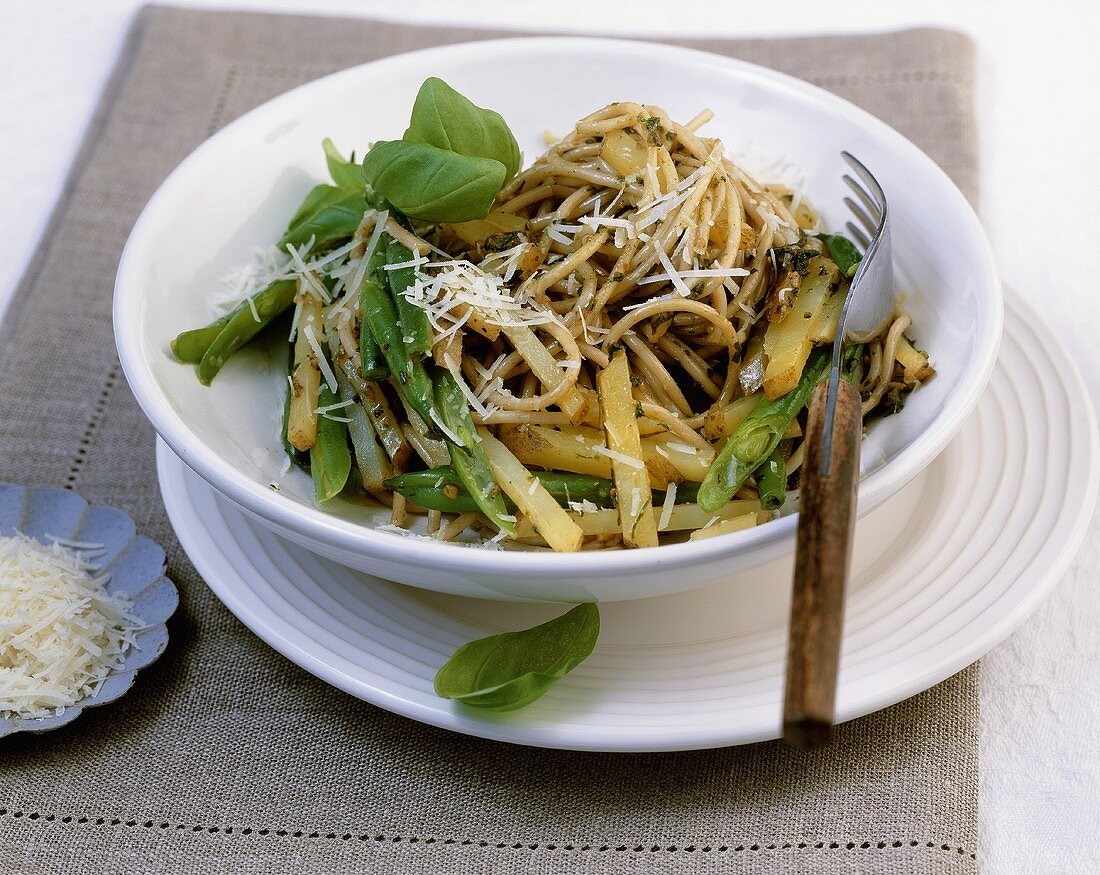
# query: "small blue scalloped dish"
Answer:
x=136 y=568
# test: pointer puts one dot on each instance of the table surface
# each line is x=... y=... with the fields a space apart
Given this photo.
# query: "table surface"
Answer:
x=1040 y=129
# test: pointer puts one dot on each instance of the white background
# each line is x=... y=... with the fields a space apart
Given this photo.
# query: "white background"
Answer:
x=1039 y=117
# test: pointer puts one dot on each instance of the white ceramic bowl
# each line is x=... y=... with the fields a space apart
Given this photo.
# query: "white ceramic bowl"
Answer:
x=236 y=191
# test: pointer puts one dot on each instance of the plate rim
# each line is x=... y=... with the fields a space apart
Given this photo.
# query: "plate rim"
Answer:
x=558 y=736
x=341 y=534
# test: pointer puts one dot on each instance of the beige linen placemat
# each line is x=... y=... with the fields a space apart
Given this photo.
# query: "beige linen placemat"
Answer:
x=226 y=757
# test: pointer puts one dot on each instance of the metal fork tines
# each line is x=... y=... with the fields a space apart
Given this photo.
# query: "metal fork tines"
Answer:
x=871 y=295
x=870 y=300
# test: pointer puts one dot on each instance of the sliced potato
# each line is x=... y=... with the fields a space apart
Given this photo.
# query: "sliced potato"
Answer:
x=305 y=382
x=824 y=326
x=525 y=263
x=624 y=153
x=573 y=450
x=722 y=420
x=479 y=230
x=725 y=527
x=620 y=423
x=687 y=460
x=683 y=517
x=582 y=450
x=787 y=342
x=536 y=504
x=476 y=320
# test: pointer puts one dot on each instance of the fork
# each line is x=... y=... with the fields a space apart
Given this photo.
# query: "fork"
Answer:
x=830 y=473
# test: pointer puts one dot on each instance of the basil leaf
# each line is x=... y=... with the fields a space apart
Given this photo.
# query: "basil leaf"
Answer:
x=318 y=198
x=429 y=183
x=345 y=173
x=443 y=118
x=327 y=214
x=505 y=672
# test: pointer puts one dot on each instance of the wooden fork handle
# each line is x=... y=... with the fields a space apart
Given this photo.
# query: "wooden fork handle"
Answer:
x=827 y=516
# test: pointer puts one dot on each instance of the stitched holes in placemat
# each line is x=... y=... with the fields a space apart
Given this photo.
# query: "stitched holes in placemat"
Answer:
x=937 y=76
x=223 y=98
x=379 y=838
x=98 y=411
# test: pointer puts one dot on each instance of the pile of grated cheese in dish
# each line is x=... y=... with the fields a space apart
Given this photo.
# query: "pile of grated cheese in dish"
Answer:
x=61 y=634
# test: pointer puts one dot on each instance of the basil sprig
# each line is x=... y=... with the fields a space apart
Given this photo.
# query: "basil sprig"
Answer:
x=508 y=671
x=443 y=118
x=451 y=162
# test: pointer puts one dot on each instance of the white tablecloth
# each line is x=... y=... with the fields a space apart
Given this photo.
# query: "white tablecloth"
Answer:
x=1040 y=124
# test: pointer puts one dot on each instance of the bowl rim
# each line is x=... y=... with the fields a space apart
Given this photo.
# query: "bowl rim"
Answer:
x=317 y=525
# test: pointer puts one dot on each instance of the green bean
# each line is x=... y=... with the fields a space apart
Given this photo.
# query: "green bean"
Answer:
x=416 y=332
x=374 y=367
x=843 y=252
x=329 y=458
x=754 y=440
x=190 y=346
x=410 y=378
x=354 y=484
x=440 y=488
x=243 y=326
x=771 y=480
x=686 y=493
x=467 y=456
x=851 y=364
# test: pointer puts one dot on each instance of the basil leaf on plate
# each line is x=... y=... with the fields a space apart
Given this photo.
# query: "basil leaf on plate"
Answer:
x=508 y=671
x=344 y=172
x=433 y=184
x=327 y=214
x=443 y=118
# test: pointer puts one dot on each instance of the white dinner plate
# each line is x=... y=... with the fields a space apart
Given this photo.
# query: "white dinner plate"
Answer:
x=943 y=571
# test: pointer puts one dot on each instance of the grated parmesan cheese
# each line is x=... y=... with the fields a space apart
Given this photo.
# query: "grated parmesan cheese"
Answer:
x=677 y=281
x=61 y=632
x=339 y=405
x=560 y=232
x=666 y=508
x=322 y=360
x=615 y=455
x=451 y=436
x=728 y=272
